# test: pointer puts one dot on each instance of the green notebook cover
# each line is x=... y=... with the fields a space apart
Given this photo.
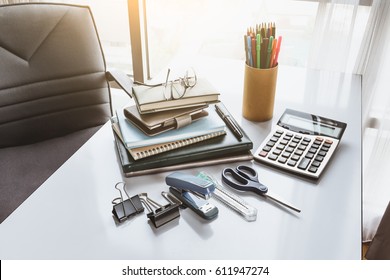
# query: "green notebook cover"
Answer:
x=221 y=146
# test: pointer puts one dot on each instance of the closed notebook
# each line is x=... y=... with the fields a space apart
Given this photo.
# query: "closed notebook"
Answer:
x=134 y=137
x=227 y=147
x=152 y=99
x=160 y=122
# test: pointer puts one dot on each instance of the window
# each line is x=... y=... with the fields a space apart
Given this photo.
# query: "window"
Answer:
x=216 y=28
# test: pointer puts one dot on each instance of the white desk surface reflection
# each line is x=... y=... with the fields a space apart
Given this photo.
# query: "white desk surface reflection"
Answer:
x=69 y=216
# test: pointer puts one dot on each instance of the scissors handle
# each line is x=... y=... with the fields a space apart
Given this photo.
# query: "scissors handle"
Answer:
x=247 y=172
x=234 y=179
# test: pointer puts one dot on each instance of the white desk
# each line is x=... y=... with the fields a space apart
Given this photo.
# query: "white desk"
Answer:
x=69 y=216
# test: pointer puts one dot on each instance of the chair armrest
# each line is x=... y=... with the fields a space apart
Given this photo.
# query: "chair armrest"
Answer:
x=121 y=79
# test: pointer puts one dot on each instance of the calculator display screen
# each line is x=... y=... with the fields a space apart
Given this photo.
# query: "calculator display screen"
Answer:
x=311 y=124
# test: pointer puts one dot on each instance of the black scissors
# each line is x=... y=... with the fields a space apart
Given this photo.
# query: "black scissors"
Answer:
x=245 y=178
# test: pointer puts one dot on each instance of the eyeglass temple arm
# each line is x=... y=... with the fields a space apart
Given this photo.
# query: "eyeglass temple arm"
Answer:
x=154 y=85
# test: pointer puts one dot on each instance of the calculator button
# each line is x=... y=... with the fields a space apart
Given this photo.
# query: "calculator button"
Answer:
x=280 y=146
x=295 y=157
x=270 y=143
x=315 y=146
x=309 y=155
x=282 y=160
x=293 y=145
x=312 y=169
x=299 y=137
x=319 y=139
x=306 y=139
x=272 y=157
x=279 y=132
x=292 y=162
x=286 y=154
x=277 y=152
x=284 y=142
x=328 y=141
x=325 y=149
x=298 y=152
x=304 y=163
x=295 y=140
x=319 y=158
x=301 y=147
x=326 y=145
x=317 y=142
x=274 y=139
x=263 y=154
x=267 y=148
x=312 y=150
x=322 y=153
x=316 y=163
x=290 y=134
x=289 y=149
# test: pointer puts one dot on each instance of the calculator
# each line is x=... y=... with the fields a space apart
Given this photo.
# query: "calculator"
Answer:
x=301 y=143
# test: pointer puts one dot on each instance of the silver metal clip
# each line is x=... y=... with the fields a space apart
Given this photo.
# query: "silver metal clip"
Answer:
x=161 y=214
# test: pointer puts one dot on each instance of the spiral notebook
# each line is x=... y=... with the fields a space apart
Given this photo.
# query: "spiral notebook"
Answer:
x=151 y=150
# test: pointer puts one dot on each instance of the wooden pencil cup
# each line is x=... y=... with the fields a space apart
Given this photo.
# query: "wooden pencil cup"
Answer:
x=259 y=93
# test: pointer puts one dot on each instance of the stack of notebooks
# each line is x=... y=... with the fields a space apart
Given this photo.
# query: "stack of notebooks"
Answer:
x=184 y=137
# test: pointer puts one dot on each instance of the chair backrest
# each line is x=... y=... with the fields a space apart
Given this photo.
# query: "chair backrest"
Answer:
x=52 y=73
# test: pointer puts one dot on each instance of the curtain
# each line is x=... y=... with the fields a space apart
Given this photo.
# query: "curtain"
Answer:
x=337 y=35
x=355 y=38
x=374 y=65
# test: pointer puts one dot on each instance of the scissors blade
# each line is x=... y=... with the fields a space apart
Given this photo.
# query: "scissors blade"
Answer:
x=280 y=201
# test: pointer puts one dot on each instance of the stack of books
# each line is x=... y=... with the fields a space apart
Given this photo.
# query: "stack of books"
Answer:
x=180 y=137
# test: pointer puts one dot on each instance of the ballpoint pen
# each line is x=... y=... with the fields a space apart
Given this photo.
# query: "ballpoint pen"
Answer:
x=222 y=112
x=269 y=51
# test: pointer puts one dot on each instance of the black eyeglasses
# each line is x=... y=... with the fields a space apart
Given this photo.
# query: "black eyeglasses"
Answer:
x=175 y=89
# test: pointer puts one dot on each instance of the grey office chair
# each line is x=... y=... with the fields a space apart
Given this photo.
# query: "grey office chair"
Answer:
x=54 y=93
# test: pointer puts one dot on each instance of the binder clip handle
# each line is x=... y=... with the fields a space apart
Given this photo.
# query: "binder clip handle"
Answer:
x=161 y=214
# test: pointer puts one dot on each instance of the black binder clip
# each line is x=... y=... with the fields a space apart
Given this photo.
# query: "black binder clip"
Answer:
x=161 y=214
x=124 y=209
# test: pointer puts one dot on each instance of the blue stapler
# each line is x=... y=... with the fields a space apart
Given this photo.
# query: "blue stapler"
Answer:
x=188 y=188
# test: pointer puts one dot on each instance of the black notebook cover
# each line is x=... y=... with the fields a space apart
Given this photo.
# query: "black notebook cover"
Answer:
x=219 y=147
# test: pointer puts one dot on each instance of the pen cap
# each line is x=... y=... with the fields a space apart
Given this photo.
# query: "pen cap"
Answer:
x=259 y=93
